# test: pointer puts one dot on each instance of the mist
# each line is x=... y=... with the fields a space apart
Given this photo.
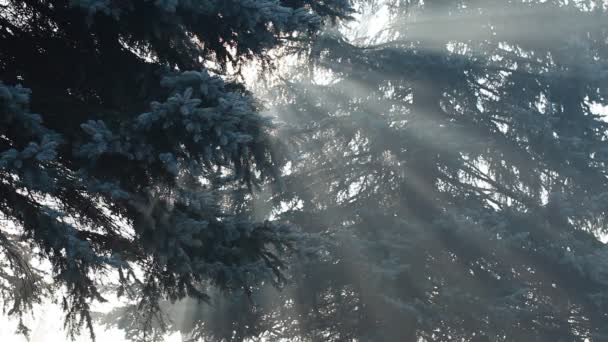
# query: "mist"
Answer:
x=440 y=176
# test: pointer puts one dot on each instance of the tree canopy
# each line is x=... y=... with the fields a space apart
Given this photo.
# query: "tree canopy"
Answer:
x=455 y=167
x=441 y=173
x=122 y=145
x=450 y=172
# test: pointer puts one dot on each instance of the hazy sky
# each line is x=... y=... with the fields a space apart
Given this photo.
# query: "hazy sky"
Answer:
x=47 y=326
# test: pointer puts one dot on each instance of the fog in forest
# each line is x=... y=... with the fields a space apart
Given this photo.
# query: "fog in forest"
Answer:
x=297 y=170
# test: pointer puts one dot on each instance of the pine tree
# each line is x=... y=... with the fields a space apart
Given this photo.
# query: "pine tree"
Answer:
x=450 y=173
x=123 y=144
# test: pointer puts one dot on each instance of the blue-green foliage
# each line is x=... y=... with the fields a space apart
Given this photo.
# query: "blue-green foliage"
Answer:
x=138 y=157
x=452 y=176
x=31 y=165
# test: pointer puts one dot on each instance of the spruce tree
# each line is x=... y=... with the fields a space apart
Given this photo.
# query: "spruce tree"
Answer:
x=124 y=148
x=455 y=168
x=450 y=176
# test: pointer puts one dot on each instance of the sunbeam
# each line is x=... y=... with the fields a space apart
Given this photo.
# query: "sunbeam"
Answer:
x=299 y=170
